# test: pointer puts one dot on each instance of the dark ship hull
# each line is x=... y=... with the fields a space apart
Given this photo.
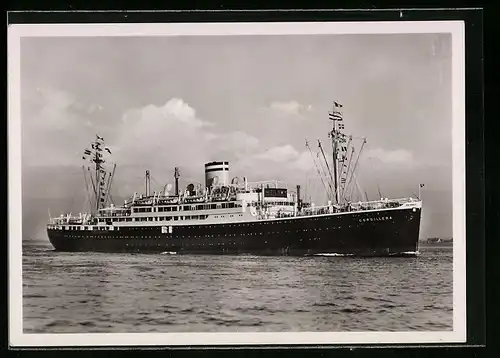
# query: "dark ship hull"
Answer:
x=389 y=232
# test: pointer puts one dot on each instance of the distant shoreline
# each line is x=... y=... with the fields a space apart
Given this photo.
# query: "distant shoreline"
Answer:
x=436 y=244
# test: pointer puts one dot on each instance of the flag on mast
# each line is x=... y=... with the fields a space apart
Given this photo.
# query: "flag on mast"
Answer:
x=335 y=116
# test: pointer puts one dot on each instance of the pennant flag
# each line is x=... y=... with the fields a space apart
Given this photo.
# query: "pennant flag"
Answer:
x=107 y=149
x=336 y=104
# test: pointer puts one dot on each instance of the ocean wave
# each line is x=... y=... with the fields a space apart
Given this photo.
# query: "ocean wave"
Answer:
x=84 y=293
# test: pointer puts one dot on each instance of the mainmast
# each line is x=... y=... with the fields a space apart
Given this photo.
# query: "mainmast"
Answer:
x=336 y=116
x=148 y=184
x=177 y=174
x=96 y=159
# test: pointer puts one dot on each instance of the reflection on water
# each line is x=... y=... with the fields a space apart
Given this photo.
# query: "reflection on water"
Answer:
x=93 y=292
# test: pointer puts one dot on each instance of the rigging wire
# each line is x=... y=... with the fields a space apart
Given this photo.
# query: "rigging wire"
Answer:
x=344 y=187
x=314 y=161
x=88 y=197
x=326 y=162
x=356 y=164
x=326 y=177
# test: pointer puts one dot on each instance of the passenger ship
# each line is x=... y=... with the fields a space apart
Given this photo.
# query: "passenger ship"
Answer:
x=240 y=217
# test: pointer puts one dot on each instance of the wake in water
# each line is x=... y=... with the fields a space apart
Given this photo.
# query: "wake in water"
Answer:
x=333 y=255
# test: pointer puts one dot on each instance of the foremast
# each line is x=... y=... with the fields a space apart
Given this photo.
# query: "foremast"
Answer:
x=100 y=178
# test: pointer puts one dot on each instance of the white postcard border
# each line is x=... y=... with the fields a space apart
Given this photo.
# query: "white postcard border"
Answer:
x=19 y=339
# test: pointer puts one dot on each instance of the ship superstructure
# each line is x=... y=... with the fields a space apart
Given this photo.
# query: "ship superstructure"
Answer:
x=233 y=216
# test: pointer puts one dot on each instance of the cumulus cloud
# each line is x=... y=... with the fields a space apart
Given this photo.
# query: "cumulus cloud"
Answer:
x=290 y=107
x=397 y=156
x=284 y=160
x=303 y=162
x=154 y=137
x=57 y=101
x=236 y=144
x=174 y=111
x=53 y=123
x=280 y=154
x=162 y=137
x=53 y=109
x=166 y=135
x=173 y=135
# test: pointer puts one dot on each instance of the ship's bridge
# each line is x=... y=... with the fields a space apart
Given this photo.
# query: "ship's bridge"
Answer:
x=114 y=211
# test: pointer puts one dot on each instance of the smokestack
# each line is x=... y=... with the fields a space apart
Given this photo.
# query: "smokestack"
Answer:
x=216 y=173
x=299 y=202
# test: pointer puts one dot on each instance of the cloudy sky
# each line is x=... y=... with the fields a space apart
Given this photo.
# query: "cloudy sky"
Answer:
x=253 y=100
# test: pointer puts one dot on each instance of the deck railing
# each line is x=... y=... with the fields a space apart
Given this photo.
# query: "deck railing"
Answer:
x=353 y=207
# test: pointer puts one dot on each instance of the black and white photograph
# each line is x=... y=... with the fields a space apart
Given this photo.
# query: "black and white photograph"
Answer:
x=236 y=183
